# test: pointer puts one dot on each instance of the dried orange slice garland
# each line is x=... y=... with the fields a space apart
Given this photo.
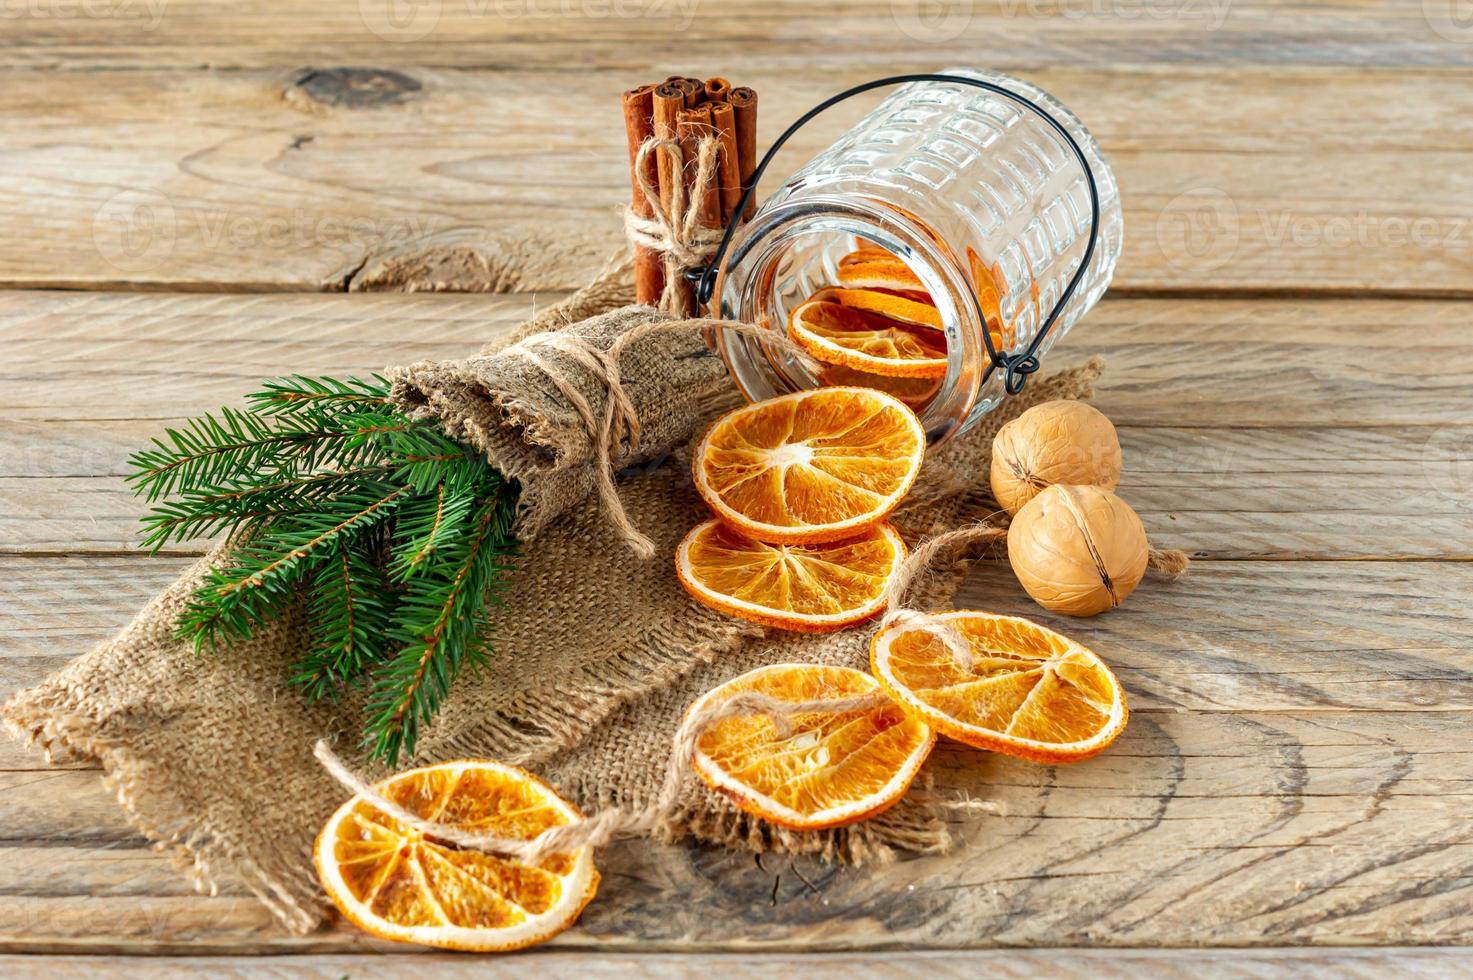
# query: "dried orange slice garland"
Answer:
x=1028 y=691
x=395 y=883
x=814 y=466
x=808 y=588
x=838 y=334
x=829 y=768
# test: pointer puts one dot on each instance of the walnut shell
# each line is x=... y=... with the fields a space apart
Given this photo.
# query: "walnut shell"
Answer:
x=1078 y=550
x=1056 y=442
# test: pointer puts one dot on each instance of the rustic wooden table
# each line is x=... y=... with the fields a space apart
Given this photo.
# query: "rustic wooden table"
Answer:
x=197 y=195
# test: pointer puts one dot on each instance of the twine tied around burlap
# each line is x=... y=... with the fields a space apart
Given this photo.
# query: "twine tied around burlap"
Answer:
x=675 y=231
x=620 y=424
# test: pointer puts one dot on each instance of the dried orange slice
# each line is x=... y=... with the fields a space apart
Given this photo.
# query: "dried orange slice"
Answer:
x=814 y=466
x=811 y=588
x=837 y=334
x=831 y=768
x=874 y=268
x=914 y=308
x=1028 y=692
x=915 y=392
x=396 y=883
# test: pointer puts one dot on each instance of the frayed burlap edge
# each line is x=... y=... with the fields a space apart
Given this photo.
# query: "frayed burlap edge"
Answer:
x=52 y=717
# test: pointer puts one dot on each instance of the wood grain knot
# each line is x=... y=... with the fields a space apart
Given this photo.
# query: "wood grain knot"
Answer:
x=356 y=88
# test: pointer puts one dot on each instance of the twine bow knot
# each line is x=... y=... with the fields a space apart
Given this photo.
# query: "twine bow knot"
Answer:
x=674 y=229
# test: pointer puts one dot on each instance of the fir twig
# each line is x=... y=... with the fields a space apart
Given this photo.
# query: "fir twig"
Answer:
x=349 y=612
x=440 y=627
x=238 y=599
x=298 y=393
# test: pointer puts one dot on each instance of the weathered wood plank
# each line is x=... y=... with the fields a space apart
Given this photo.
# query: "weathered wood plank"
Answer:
x=1023 y=964
x=1230 y=636
x=1252 y=427
x=1197 y=828
x=1310 y=710
x=771 y=35
x=270 y=179
x=1255 y=363
x=1398 y=491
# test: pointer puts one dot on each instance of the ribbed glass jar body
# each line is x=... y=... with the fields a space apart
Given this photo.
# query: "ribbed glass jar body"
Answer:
x=985 y=203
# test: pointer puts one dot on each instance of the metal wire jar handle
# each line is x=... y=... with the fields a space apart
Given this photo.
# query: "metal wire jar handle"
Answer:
x=1016 y=367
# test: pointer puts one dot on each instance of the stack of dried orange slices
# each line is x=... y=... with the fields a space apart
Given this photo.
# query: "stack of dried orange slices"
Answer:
x=878 y=327
x=800 y=486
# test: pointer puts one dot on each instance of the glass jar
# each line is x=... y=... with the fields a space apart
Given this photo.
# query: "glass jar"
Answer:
x=982 y=200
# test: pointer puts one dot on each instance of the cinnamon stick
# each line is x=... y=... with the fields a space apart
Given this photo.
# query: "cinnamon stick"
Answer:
x=695 y=126
x=744 y=104
x=694 y=90
x=717 y=89
x=639 y=125
x=669 y=102
x=723 y=119
x=669 y=99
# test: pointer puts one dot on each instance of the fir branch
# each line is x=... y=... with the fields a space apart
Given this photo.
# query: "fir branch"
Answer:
x=209 y=450
x=245 y=506
x=239 y=598
x=349 y=614
x=396 y=534
x=435 y=520
x=299 y=393
x=439 y=628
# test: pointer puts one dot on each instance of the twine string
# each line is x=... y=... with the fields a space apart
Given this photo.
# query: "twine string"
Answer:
x=989 y=530
x=674 y=231
x=605 y=826
x=619 y=421
x=919 y=562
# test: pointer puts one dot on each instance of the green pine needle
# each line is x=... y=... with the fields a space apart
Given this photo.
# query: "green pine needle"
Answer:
x=350 y=610
x=298 y=394
x=440 y=627
x=241 y=597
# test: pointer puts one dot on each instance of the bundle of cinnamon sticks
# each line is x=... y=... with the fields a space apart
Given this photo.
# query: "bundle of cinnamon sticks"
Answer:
x=688 y=110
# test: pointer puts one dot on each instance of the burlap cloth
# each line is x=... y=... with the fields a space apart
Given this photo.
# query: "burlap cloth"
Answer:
x=596 y=652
